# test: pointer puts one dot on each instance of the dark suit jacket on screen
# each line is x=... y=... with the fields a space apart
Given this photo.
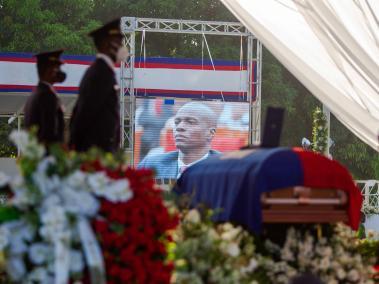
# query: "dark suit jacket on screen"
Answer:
x=44 y=110
x=165 y=165
x=96 y=116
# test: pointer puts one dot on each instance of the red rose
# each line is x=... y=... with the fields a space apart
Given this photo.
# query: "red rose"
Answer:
x=101 y=226
x=133 y=233
x=126 y=275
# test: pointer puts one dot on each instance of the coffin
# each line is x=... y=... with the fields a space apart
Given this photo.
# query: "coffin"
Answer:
x=305 y=205
x=277 y=185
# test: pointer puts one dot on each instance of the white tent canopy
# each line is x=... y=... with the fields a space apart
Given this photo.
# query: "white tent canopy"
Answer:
x=331 y=46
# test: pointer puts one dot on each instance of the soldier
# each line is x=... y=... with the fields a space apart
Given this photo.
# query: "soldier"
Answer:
x=43 y=108
x=96 y=118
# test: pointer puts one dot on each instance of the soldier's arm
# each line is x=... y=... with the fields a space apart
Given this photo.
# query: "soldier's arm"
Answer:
x=97 y=90
x=48 y=122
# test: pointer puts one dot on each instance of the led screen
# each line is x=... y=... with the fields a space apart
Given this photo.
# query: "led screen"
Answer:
x=174 y=134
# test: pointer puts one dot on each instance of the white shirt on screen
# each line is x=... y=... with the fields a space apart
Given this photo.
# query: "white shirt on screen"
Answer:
x=182 y=166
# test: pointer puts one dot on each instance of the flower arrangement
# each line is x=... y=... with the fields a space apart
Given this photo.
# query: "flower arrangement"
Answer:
x=208 y=253
x=47 y=235
x=87 y=217
x=338 y=259
x=205 y=252
x=134 y=234
x=319 y=131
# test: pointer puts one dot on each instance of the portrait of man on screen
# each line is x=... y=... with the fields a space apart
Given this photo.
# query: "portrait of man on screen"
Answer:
x=195 y=126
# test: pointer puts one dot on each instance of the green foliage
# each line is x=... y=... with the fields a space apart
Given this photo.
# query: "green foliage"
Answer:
x=369 y=248
x=36 y=25
x=8 y=214
x=7 y=149
x=281 y=89
x=319 y=131
x=359 y=158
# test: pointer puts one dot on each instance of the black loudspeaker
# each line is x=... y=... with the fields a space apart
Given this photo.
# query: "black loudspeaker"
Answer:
x=273 y=127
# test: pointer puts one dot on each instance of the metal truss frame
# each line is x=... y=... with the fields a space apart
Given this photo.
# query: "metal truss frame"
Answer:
x=370 y=192
x=131 y=25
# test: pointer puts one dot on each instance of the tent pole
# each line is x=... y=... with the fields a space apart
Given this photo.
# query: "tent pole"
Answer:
x=18 y=128
x=326 y=112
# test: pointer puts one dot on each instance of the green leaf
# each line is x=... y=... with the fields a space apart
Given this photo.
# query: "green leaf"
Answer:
x=9 y=214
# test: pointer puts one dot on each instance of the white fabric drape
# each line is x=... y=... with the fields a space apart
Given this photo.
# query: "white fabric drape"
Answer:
x=331 y=46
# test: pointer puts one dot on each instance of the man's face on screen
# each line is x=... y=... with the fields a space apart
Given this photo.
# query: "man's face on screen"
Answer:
x=191 y=130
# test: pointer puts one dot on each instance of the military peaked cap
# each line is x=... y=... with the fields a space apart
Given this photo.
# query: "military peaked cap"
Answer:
x=49 y=57
x=109 y=29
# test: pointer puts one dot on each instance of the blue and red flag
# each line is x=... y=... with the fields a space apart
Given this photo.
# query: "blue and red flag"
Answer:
x=234 y=182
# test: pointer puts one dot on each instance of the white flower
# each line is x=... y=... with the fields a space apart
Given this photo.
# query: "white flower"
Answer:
x=115 y=191
x=20 y=138
x=271 y=247
x=98 y=181
x=52 y=200
x=287 y=255
x=353 y=275
x=212 y=234
x=76 y=180
x=231 y=234
x=193 y=216
x=39 y=253
x=324 y=263
x=54 y=215
x=4 y=179
x=4 y=237
x=28 y=146
x=327 y=252
x=20 y=232
x=233 y=250
x=23 y=230
x=17 y=245
x=79 y=201
x=54 y=223
x=53 y=234
x=44 y=165
x=21 y=198
x=341 y=274
x=253 y=264
x=344 y=258
x=118 y=191
x=282 y=279
x=76 y=261
x=40 y=275
x=227 y=227
x=51 y=266
x=46 y=184
x=15 y=268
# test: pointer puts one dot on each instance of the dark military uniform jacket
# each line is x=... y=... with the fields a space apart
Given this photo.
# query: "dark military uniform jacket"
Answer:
x=44 y=110
x=96 y=120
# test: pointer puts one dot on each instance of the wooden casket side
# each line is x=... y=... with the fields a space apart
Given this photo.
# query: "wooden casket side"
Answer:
x=305 y=205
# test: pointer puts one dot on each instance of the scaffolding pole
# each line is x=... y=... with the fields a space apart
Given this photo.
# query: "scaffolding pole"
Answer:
x=127 y=96
x=257 y=107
